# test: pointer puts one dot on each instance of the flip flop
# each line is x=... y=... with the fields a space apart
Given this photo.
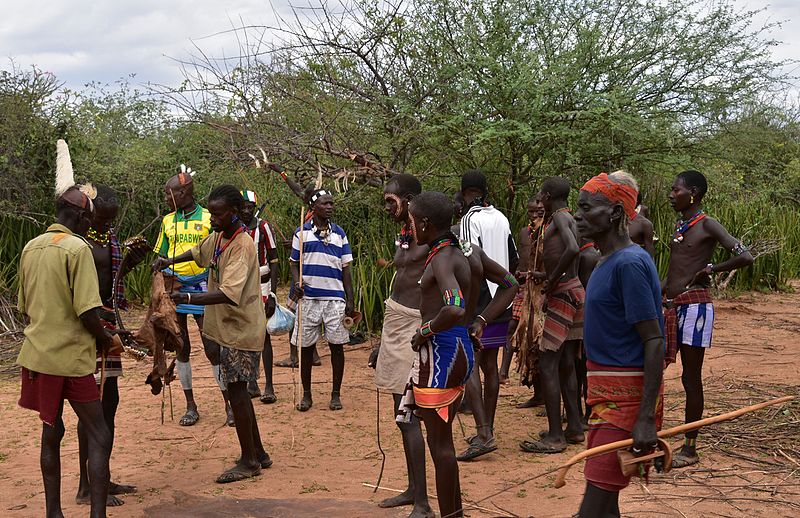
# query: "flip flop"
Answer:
x=268 y=398
x=304 y=405
x=236 y=474
x=475 y=450
x=190 y=418
x=540 y=447
x=571 y=439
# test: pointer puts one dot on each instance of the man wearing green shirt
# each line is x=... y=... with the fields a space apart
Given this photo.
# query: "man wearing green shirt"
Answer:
x=59 y=293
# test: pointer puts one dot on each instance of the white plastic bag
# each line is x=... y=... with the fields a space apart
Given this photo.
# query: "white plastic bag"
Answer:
x=281 y=322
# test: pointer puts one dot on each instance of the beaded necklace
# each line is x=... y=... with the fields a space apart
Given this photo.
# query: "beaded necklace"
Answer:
x=439 y=245
x=404 y=238
x=683 y=226
x=100 y=239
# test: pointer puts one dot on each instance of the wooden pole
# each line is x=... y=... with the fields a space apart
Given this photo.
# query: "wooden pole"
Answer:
x=688 y=427
x=300 y=307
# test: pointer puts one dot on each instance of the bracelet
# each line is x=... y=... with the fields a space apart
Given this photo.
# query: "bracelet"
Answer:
x=485 y=322
x=188 y=298
x=425 y=330
x=710 y=266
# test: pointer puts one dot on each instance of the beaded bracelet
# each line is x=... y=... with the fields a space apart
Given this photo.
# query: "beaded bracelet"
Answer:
x=425 y=330
x=509 y=281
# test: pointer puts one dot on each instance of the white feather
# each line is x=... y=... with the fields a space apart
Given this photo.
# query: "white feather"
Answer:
x=65 y=177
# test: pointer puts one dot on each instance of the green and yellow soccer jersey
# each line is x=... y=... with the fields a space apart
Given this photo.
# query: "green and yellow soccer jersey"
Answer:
x=182 y=232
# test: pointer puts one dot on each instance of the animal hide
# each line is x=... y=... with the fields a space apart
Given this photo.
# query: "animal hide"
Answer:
x=160 y=331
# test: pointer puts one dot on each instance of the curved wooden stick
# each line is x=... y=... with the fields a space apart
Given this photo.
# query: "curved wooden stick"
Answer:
x=618 y=445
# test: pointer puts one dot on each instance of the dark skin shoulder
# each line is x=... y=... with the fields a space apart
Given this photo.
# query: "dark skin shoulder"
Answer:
x=410 y=264
x=587 y=261
x=689 y=258
x=560 y=250
x=641 y=232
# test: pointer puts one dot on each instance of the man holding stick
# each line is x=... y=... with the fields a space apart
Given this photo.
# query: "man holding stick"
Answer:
x=235 y=322
x=624 y=339
x=326 y=291
x=181 y=230
x=267 y=253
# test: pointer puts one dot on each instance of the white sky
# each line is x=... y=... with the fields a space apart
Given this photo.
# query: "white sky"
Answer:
x=104 y=40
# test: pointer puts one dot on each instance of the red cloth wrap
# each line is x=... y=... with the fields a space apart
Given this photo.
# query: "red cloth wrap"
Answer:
x=615 y=394
x=615 y=192
x=44 y=393
x=695 y=296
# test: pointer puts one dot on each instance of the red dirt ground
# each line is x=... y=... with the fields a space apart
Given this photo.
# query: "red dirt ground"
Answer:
x=323 y=458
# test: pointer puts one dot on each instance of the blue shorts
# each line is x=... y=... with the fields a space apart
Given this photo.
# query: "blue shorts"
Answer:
x=191 y=284
x=695 y=324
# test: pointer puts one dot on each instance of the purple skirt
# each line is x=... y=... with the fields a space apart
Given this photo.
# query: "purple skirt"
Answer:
x=494 y=335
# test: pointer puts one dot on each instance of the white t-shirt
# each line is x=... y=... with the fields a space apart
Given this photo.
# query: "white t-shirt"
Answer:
x=488 y=228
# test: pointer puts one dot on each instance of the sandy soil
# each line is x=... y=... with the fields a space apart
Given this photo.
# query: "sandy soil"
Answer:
x=323 y=458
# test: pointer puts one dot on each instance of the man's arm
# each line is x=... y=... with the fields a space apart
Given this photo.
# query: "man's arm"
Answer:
x=92 y=323
x=448 y=315
x=347 y=280
x=506 y=291
x=294 y=186
x=164 y=262
x=571 y=249
x=741 y=256
x=272 y=257
x=644 y=431
x=202 y=299
x=524 y=252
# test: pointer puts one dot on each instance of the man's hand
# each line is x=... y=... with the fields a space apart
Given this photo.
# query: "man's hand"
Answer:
x=538 y=277
x=298 y=291
x=349 y=310
x=104 y=342
x=135 y=256
x=160 y=263
x=373 y=357
x=476 y=328
x=270 y=307
x=645 y=437
x=418 y=341
x=702 y=277
x=521 y=277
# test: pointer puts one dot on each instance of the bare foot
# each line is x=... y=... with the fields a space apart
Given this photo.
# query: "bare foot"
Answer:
x=422 y=512
x=305 y=404
x=404 y=498
x=120 y=489
x=85 y=499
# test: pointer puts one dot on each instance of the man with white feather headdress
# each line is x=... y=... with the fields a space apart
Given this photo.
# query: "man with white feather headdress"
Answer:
x=59 y=292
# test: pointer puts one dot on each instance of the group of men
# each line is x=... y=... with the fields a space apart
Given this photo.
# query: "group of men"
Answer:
x=454 y=304
x=594 y=332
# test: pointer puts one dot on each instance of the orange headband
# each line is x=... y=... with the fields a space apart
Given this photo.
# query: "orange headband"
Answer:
x=615 y=192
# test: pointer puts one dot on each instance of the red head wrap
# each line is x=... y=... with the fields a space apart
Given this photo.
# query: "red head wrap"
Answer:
x=615 y=192
x=76 y=198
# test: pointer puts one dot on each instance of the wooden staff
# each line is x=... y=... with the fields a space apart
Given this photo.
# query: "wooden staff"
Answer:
x=688 y=427
x=300 y=307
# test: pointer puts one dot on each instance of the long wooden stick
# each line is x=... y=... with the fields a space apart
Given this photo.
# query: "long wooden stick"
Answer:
x=688 y=427
x=300 y=308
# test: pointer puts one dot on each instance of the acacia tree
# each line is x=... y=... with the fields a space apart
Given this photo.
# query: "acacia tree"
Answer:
x=523 y=88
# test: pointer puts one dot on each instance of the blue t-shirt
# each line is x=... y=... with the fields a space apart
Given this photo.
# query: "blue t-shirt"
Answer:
x=623 y=290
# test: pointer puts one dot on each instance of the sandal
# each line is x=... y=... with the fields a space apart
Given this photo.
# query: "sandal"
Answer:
x=577 y=438
x=190 y=418
x=476 y=449
x=268 y=398
x=681 y=460
x=237 y=473
x=541 y=447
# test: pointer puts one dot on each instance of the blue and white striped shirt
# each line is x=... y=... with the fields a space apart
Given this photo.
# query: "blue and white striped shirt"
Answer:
x=322 y=262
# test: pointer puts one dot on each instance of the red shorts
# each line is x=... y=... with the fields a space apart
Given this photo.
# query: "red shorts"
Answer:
x=45 y=393
x=604 y=471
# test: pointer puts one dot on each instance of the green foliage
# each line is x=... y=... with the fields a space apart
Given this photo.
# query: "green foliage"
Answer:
x=524 y=89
